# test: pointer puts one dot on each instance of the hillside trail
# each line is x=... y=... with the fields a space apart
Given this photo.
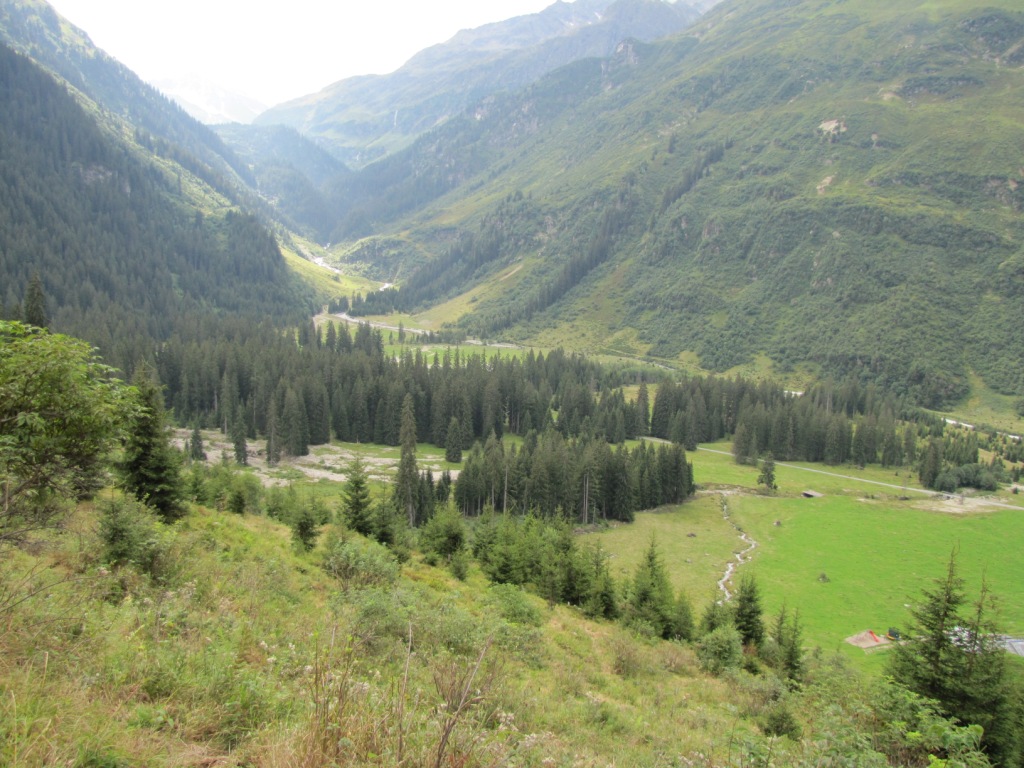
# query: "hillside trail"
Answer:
x=740 y=557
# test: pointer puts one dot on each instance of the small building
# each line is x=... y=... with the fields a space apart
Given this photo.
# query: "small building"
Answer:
x=812 y=495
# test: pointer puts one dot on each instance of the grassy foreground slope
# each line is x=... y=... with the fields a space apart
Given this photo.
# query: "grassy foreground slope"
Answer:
x=224 y=646
x=231 y=649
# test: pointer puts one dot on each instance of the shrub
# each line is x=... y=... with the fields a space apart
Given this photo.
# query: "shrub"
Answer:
x=459 y=565
x=360 y=563
x=444 y=534
x=132 y=535
x=720 y=650
x=513 y=604
x=778 y=720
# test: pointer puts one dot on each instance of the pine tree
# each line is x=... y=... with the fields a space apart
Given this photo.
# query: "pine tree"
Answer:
x=238 y=439
x=151 y=468
x=195 y=445
x=716 y=615
x=956 y=660
x=682 y=618
x=407 y=482
x=931 y=462
x=643 y=407
x=748 y=612
x=766 y=477
x=356 y=509
x=651 y=598
x=453 y=442
x=35 y=303
x=273 y=435
x=294 y=427
x=305 y=528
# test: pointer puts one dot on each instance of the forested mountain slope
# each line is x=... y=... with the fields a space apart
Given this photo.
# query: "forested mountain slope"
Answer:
x=128 y=245
x=34 y=29
x=835 y=186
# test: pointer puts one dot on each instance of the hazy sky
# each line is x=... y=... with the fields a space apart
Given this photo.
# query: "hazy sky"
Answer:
x=273 y=50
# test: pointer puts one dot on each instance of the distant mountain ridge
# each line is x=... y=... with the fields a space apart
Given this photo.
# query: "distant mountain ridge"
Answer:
x=363 y=118
x=210 y=103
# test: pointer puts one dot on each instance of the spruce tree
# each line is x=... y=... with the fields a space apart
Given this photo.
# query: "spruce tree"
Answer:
x=682 y=618
x=355 y=500
x=35 y=303
x=151 y=468
x=294 y=427
x=305 y=528
x=273 y=435
x=955 y=659
x=195 y=444
x=748 y=612
x=407 y=482
x=238 y=438
x=766 y=477
x=651 y=599
x=453 y=442
x=643 y=407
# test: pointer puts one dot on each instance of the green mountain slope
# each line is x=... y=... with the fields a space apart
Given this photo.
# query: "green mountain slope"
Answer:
x=835 y=186
x=131 y=244
x=364 y=117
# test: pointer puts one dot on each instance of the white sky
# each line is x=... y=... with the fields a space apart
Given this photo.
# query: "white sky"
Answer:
x=272 y=50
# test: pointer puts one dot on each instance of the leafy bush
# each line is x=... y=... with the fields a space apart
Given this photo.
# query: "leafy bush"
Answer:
x=360 y=563
x=513 y=604
x=720 y=650
x=778 y=720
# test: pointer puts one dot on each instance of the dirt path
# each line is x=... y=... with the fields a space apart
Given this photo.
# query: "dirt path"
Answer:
x=961 y=503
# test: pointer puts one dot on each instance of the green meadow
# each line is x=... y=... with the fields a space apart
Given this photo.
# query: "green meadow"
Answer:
x=852 y=560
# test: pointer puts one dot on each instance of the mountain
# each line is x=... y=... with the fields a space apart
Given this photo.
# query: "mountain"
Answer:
x=292 y=173
x=812 y=189
x=208 y=102
x=363 y=118
x=134 y=234
x=34 y=29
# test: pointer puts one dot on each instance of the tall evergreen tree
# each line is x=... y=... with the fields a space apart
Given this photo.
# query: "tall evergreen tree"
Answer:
x=955 y=659
x=273 y=435
x=152 y=472
x=643 y=408
x=195 y=444
x=650 y=600
x=294 y=427
x=930 y=466
x=355 y=499
x=748 y=612
x=238 y=438
x=766 y=477
x=407 y=482
x=34 y=307
x=453 y=442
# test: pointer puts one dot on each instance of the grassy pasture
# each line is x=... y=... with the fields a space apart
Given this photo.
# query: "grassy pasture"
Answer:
x=877 y=557
x=878 y=551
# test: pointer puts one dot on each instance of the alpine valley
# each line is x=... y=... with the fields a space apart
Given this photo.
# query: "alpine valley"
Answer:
x=632 y=383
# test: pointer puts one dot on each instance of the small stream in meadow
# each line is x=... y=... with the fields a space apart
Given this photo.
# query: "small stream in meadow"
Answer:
x=740 y=558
